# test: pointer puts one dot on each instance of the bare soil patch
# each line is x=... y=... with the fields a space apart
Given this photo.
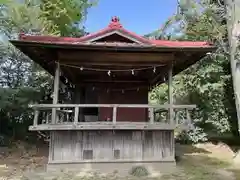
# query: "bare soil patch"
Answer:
x=196 y=162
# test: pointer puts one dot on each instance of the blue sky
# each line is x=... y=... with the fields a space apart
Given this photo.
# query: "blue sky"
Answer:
x=140 y=16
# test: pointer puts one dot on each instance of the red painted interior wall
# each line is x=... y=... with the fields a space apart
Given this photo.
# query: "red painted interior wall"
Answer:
x=124 y=114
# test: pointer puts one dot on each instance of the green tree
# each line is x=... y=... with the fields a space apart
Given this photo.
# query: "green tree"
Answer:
x=21 y=80
x=65 y=16
x=208 y=82
x=54 y=17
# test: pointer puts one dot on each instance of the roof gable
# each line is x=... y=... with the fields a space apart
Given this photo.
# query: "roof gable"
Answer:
x=119 y=36
x=114 y=35
x=115 y=29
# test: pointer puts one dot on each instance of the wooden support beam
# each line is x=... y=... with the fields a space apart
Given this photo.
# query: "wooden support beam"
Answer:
x=166 y=106
x=114 y=56
x=114 y=119
x=51 y=147
x=170 y=95
x=121 y=161
x=35 y=120
x=151 y=113
x=55 y=93
x=112 y=64
x=76 y=115
x=103 y=126
x=188 y=117
x=47 y=117
x=82 y=101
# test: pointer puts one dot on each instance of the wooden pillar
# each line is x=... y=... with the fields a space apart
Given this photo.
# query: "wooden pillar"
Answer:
x=35 y=120
x=114 y=118
x=82 y=101
x=151 y=113
x=76 y=115
x=170 y=95
x=55 y=92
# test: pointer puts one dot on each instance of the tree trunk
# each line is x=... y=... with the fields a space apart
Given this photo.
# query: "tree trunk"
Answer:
x=233 y=12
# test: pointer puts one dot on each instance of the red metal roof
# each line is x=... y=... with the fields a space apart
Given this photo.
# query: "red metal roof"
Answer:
x=114 y=27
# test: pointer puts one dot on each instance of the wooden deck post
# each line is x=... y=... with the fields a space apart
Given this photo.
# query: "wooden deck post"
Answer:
x=55 y=92
x=76 y=115
x=170 y=95
x=188 y=117
x=151 y=113
x=114 y=118
x=35 y=120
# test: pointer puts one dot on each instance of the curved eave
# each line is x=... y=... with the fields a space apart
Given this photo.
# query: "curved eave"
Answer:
x=106 y=46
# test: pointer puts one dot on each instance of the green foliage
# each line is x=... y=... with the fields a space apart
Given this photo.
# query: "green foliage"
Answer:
x=55 y=17
x=192 y=136
x=207 y=83
x=20 y=85
x=23 y=82
x=63 y=16
x=17 y=16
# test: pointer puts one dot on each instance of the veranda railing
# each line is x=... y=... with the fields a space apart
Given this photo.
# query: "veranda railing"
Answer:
x=70 y=113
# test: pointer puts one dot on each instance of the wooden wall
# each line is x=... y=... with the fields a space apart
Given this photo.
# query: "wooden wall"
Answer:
x=128 y=97
x=77 y=146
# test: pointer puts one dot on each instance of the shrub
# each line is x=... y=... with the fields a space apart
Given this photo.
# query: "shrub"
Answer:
x=139 y=171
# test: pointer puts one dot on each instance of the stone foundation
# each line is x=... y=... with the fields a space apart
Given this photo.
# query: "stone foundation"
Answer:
x=122 y=169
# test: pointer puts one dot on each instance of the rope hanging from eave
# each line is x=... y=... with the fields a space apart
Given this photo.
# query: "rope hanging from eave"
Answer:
x=81 y=68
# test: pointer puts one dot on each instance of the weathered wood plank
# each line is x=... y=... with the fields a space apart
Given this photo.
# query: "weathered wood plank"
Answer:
x=188 y=117
x=51 y=147
x=168 y=159
x=114 y=118
x=165 y=106
x=76 y=115
x=35 y=120
x=109 y=64
x=170 y=96
x=112 y=57
x=69 y=146
x=151 y=114
x=55 y=93
x=172 y=145
x=102 y=126
x=147 y=143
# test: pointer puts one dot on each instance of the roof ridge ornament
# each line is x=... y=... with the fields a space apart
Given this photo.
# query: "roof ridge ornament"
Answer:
x=115 y=23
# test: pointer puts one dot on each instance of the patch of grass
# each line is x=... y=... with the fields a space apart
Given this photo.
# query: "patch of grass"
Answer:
x=200 y=172
x=175 y=176
x=197 y=167
x=205 y=160
x=91 y=176
x=236 y=173
x=192 y=173
x=194 y=164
